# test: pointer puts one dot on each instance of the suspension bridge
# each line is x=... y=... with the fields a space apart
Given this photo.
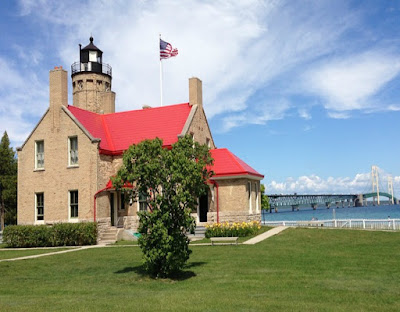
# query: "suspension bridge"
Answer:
x=339 y=200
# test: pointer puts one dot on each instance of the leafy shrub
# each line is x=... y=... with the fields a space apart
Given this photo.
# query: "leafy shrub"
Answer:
x=232 y=229
x=61 y=234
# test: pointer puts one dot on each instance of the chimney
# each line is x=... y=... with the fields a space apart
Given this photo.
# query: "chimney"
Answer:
x=58 y=94
x=195 y=92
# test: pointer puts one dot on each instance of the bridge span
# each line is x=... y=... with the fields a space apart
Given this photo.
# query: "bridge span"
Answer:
x=340 y=200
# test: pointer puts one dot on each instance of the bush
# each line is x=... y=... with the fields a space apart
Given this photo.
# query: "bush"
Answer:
x=232 y=229
x=61 y=234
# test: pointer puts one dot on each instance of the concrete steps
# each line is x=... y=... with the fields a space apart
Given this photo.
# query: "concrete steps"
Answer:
x=109 y=236
x=198 y=233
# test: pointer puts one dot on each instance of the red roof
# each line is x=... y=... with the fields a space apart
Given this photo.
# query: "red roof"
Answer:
x=228 y=164
x=118 y=131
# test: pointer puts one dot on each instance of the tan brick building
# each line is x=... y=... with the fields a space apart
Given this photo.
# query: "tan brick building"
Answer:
x=65 y=165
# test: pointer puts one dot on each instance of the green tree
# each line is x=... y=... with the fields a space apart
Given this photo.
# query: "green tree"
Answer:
x=264 y=199
x=8 y=183
x=170 y=181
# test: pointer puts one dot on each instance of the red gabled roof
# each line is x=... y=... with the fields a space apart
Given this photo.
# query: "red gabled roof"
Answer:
x=228 y=164
x=118 y=131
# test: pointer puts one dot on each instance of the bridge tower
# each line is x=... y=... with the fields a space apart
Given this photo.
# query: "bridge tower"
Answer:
x=375 y=182
x=390 y=189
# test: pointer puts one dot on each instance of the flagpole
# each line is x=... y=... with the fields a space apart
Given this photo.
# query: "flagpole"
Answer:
x=161 y=80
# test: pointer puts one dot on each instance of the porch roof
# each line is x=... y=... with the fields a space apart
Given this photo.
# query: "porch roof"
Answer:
x=228 y=164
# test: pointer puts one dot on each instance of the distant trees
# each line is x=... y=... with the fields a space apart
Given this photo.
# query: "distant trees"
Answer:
x=8 y=183
x=264 y=199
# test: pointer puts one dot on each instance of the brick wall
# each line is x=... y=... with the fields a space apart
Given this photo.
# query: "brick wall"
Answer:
x=57 y=177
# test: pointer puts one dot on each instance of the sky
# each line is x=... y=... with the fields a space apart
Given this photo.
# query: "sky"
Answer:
x=306 y=92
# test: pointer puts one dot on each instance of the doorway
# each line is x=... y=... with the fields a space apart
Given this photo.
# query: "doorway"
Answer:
x=112 y=209
x=203 y=207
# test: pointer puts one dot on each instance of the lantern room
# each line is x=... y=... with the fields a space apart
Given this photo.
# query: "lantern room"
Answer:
x=90 y=61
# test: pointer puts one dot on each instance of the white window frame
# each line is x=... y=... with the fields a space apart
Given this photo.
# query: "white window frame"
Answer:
x=72 y=219
x=70 y=163
x=37 y=154
x=257 y=191
x=36 y=208
x=250 y=203
x=139 y=201
x=208 y=142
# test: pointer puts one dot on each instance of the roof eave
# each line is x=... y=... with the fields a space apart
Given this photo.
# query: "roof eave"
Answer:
x=77 y=122
x=188 y=122
x=227 y=176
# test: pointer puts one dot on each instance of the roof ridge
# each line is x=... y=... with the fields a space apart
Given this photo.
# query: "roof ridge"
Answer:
x=147 y=109
x=107 y=132
x=233 y=156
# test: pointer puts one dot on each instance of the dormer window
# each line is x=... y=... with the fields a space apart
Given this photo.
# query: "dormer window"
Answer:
x=39 y=154
x=73 y=151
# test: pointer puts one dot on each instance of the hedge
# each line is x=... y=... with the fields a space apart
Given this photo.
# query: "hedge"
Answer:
x=60 y=234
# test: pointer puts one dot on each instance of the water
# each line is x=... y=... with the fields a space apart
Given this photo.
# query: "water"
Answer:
x=321 y=213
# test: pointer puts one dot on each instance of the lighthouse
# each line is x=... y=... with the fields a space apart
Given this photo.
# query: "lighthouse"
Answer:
x=91 y=81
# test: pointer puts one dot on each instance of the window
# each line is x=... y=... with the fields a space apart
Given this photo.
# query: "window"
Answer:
x=249 y=190
x=256 y=191
x=122 y=206
x=73 y=204
x=92 y=56
x=39 y=206
x=208 y=142
x=73 y=151
x=142 y=202
x=39 y=155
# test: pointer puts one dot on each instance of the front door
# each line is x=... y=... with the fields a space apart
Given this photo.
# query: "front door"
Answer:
x=203 y=203
x=112 y=209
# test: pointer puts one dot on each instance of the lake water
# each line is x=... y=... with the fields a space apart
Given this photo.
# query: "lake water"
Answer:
x=321 y=213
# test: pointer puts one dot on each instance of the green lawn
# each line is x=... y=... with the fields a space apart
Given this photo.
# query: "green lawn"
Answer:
x=297 y=270
x=9 y=254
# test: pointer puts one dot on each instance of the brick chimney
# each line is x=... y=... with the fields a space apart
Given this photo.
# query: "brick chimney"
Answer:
x=58 y=94
x=195 y=92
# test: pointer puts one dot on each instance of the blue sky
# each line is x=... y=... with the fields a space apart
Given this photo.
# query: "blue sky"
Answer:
x=306 y=92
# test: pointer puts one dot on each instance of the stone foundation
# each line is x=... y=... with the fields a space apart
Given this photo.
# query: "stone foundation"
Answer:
x=233 y=216
x=131 y=223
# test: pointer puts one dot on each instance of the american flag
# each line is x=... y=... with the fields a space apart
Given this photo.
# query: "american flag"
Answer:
x=166 y=50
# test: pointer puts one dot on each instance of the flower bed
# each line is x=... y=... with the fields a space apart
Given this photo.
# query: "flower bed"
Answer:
x=227 y=229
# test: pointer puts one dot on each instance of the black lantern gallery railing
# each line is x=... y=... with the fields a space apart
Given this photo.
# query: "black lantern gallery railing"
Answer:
x=94 y=67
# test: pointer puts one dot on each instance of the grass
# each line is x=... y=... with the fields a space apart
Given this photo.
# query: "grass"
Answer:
x=297 y=270
x=12 y=253
x=126 y=243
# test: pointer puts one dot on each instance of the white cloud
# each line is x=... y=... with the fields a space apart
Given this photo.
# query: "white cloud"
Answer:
x=339 y=115
x=303 y=113
x=268 y=111
x=349 y=83
x=235 y=47
x=248 y=53
x=27 y=96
